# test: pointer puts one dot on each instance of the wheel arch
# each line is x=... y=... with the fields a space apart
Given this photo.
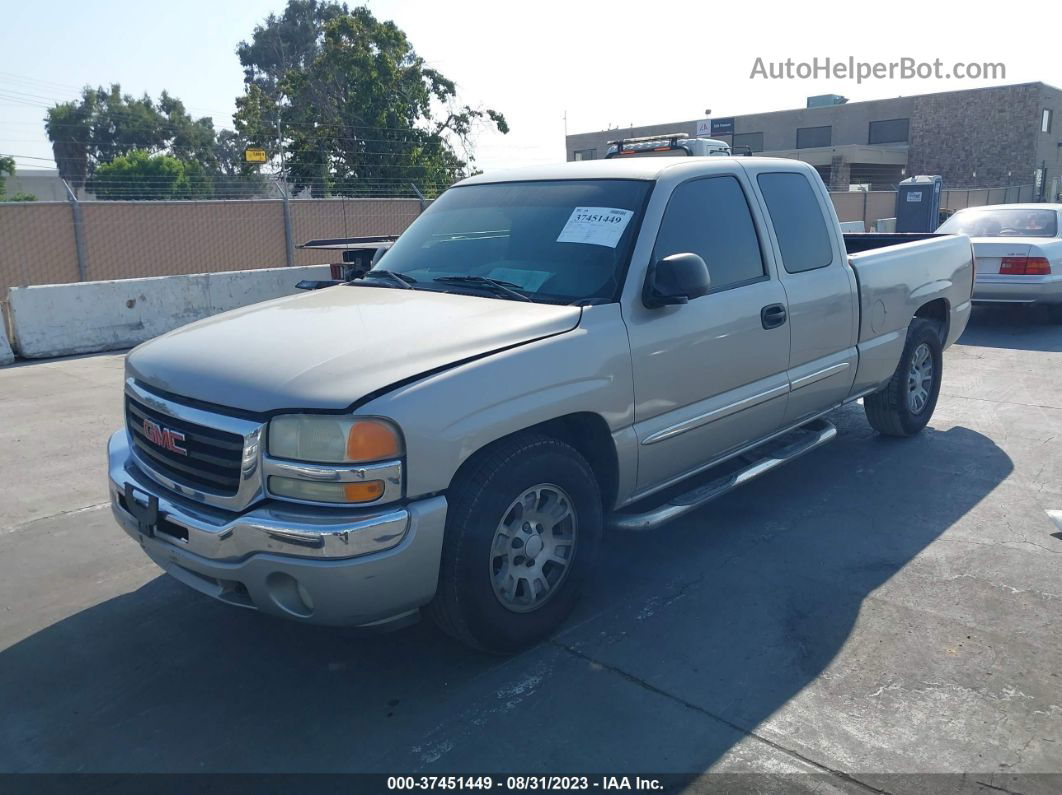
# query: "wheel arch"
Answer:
x=585 y=431
x=938 y=311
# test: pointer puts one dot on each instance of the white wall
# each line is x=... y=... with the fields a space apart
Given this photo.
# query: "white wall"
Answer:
x=44 y=183
x=63 y=319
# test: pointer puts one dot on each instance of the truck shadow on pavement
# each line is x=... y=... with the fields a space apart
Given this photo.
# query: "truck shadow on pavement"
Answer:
x=1017 y=327
x=688 y=640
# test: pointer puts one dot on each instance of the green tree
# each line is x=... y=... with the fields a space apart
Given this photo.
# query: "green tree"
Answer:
x=236 y=178
x=69 y=127
x=141 y=175
x=105 y=124
x=290 y=41
x=7 y=167
x=350 y=106
x=99 y=127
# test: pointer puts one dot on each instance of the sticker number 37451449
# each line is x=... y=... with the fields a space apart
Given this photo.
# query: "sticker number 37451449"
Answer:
x=598 y=226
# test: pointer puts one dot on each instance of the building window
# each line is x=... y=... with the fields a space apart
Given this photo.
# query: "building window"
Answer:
x=583 y=154
x=1045 y=120
x=753 y=141
x=890 y=131
x=810 y=137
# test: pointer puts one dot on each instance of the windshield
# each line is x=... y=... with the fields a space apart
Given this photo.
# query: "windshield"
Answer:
x=1003 y=223
x=562 y=241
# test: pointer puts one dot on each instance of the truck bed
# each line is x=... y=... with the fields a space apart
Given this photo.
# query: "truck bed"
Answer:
x=897 y=275
x=855 y=242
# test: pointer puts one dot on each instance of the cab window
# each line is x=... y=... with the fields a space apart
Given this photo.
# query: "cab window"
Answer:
x=798 y=221
x=711 y=217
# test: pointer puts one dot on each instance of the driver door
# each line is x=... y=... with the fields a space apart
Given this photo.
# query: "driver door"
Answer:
x=710 y=375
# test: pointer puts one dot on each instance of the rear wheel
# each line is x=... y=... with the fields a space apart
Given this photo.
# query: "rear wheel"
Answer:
x=904 y=407
x=522 y=530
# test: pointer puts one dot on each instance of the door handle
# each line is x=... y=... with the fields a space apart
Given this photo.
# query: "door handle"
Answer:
x=772 y=315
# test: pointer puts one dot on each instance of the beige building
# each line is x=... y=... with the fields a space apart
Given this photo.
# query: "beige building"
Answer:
x=986 y=137
x=43 y=183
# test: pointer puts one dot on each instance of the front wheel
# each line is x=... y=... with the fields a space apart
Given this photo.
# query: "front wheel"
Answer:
x=903 y=408
x=522 y=530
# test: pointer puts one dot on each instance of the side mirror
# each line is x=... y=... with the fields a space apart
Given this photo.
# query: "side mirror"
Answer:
x=676 y=279
x=315 y=284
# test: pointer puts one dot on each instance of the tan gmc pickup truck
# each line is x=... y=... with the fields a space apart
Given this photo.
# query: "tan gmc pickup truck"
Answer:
x=540 y=358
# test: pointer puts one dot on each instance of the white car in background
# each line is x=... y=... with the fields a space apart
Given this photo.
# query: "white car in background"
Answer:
x=1018 y=252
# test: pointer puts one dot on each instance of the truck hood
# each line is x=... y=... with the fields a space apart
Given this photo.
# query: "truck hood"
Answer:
x=329 y=348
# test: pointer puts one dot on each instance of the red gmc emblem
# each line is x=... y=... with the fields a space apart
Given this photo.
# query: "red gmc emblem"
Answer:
x=164 y=437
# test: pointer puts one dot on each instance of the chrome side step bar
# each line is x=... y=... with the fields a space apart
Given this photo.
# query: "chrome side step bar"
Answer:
x=770 y=456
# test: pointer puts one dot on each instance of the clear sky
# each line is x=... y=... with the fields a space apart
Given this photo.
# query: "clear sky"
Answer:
x=602 y=64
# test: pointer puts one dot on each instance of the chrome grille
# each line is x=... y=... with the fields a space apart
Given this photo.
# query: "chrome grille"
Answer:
x=213 y=460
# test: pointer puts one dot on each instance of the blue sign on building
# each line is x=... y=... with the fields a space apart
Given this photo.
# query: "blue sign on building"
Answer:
x=723 y=126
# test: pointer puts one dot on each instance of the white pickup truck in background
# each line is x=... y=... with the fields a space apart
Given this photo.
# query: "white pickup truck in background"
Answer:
x=667 y=145
x=544 y=356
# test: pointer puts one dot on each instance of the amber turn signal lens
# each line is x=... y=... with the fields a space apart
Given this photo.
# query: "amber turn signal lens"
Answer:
x=364 y=492
x=372 y=440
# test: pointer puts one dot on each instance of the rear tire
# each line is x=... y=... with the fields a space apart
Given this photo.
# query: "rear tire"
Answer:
x=905 y=405
x=522 y=531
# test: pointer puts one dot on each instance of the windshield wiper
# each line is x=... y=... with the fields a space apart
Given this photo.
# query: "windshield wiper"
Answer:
x=401 y=279
x=499 y=287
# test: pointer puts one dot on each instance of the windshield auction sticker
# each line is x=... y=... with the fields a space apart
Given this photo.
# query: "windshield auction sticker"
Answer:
x=598 y=226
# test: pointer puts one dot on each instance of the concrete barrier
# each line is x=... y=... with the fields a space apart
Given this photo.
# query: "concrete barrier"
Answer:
x=6 y=354
x=63 y=319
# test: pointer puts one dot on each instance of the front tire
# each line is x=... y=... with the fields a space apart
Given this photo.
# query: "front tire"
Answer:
x=904 y=407
x=522 y=531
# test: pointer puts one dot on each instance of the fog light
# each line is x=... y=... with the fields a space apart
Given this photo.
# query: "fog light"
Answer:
x=314 y=491
x=289 y=594
x=304 y=595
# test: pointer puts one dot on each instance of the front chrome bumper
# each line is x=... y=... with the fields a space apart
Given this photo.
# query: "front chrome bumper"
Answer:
x=319 y=565
x=1005 y=289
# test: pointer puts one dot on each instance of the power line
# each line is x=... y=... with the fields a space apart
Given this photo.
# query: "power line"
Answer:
x=31 y=157
x=212 y=112
x=69 y=88
x=29 y=79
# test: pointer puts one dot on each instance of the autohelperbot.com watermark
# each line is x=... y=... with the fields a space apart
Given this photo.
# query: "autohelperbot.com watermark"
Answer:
x=852 y=69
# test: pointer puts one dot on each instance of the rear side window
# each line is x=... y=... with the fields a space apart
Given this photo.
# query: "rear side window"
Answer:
x=711 y=217
x=798 y=221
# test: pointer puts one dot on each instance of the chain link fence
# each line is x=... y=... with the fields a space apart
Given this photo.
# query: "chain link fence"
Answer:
x=94 y=240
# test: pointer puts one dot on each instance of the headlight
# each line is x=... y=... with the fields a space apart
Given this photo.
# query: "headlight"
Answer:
x=320 y=450
x=326 y=439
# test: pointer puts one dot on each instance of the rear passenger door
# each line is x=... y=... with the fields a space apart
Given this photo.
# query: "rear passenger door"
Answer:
x=709 y=375
x=820 y=288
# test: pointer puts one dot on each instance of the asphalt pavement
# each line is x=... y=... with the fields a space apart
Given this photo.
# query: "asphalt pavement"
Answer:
x=878 y=609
